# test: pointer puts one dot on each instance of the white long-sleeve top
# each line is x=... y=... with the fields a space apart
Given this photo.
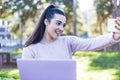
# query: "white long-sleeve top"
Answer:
x=63 y=47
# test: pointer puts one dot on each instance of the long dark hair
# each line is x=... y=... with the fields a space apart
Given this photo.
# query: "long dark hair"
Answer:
x=38 y=33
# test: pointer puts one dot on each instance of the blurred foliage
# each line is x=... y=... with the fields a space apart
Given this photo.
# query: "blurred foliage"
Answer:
x=104 y=9
x=17 y=51
x=31 y=10
x=3 y=11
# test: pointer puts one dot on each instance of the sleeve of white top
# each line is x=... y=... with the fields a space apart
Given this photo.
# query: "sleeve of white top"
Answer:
x=27 y=53
x=97 y=43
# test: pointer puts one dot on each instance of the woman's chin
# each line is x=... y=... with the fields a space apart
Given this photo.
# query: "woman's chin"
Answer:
x=56 y=37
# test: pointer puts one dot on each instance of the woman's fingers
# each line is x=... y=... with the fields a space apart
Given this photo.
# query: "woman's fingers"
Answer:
x=117 y=23
x=117 y=27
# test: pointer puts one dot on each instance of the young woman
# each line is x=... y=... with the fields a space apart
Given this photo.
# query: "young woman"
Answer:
x=46 y=42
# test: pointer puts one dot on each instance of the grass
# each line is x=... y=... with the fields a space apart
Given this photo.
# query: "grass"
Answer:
x=16 y=52
x=90 y=66
x=103 y=64
x=9 y=74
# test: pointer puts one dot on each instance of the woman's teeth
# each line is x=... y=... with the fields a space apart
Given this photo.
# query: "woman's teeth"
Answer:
x=58 y=33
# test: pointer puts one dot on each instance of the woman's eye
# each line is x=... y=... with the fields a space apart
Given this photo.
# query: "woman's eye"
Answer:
x=58 y=23
x=64 y=25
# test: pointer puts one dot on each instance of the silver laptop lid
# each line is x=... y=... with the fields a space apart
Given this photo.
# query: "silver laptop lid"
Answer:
x=47 y=69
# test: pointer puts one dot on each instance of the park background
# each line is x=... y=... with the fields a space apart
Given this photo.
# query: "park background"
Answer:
x=85 y=18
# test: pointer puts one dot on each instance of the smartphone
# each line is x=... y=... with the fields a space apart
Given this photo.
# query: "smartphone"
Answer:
x=111 y=25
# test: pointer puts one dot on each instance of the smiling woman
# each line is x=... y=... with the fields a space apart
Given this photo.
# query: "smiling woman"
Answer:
x=46 y=42
x=54 y=28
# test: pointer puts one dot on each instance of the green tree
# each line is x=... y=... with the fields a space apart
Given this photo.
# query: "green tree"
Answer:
x=25 y=8
x=28 y=9
x=104 y=9
x=3 y=11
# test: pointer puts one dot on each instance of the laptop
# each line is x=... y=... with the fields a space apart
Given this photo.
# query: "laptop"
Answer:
x=34 y=69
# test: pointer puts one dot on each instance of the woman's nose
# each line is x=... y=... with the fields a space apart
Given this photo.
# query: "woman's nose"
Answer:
x=61 y=28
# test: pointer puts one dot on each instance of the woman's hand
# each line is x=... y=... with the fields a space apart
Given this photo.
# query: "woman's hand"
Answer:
x=116 y=35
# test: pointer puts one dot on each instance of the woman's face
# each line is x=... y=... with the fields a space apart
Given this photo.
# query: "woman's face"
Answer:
x=55 y=27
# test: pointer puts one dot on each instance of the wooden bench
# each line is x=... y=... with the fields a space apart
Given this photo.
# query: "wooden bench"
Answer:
x=15 y=57
x=4 y=58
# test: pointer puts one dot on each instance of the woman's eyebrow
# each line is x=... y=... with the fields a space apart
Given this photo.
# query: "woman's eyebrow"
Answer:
x=60 y=21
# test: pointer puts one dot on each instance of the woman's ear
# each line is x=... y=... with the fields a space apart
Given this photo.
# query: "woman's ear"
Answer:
x=46 y=22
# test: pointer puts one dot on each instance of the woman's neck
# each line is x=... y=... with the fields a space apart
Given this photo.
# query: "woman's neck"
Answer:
x=46 y=39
